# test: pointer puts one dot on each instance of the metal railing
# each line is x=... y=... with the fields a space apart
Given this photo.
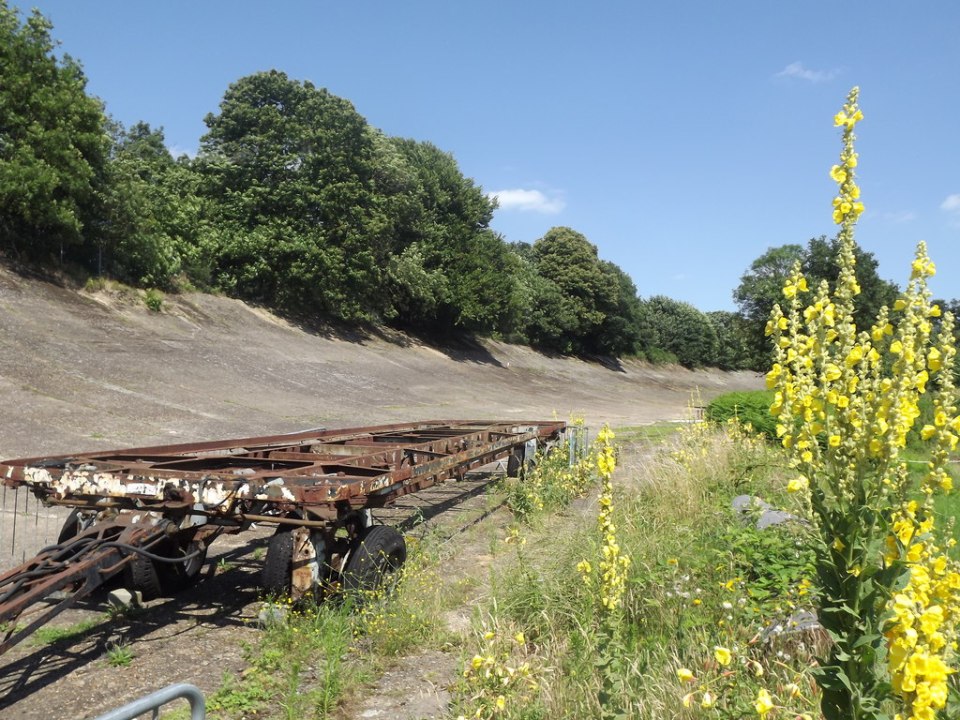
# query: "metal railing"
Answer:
x=154 y=701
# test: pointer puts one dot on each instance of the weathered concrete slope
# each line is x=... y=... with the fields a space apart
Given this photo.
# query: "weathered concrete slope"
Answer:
x=81 y=370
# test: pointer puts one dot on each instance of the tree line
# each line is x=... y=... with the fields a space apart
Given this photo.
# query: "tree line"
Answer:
x=295 y=202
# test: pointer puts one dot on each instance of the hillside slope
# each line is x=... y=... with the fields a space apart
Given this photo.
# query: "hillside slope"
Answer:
x=88 y=370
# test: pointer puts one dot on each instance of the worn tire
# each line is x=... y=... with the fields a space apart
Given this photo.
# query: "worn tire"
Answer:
x=142 y=576
x=378 y=551
x=154 y=579
x=278 y=564
x=73 y=526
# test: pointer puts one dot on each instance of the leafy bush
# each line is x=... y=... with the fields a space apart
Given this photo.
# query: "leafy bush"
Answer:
x=153 y=299
x=747 y=407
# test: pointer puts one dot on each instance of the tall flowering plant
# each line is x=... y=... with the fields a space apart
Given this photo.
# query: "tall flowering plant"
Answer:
x=846 y=400
x=608 y=582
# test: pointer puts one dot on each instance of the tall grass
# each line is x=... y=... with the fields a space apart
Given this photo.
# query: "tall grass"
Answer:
x=691 y=589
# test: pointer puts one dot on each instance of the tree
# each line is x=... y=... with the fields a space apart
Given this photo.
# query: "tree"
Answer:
x=682 y=330
x=623 y=327
x=448 y=220
x=760 y=289
x=290 y=181
x=820 y=263
x=149 y=213
x=762 y=285
x=583 y=293
x=53 y=146
x=731 y=348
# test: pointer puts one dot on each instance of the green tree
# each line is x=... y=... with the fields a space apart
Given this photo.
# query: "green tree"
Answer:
x=759 y=290
x=682 y=330
x=53 y=145
x=731 y=348
x=622 y=329
x=819 y=263
x=582 y=295
x=150 y=213
x=290 y=194
x=447 y=217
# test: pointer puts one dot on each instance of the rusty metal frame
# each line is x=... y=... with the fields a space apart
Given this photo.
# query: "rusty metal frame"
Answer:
x=318 y=481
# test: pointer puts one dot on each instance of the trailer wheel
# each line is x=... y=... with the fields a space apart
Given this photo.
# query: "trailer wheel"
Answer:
x=278 y=564
x=154 y=579
x=77 y=521
x=142 y=577
x=377 y=552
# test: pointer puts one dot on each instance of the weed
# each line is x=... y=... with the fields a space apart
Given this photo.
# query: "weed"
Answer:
x=119 y=655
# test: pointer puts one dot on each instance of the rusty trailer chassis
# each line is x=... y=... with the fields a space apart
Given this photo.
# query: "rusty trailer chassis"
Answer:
x=152 y=512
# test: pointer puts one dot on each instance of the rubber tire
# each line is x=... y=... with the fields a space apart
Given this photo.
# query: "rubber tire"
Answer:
x=142 y=577
x=278 y=564
x=379 y=550
x=160 y=579
x=72 y=527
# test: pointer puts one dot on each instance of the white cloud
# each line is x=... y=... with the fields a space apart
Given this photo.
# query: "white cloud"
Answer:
x=529 y=201
x=798 y=71
x=951 y=204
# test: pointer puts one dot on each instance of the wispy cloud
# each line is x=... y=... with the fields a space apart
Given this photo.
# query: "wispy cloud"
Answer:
x=951 y=204
x=529 y=200
x=901 y=216
x=798 y=71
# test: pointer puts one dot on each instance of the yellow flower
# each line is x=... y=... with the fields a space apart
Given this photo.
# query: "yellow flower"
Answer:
x=764 y=703
x=798 y=484
x=838 y=174
x=722 y=655
x=708 y=700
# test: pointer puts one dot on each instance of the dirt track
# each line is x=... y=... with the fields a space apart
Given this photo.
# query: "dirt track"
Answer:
x=81 y=371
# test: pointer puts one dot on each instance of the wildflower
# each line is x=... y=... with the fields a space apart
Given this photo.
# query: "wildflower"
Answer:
x=708 y=700
x=685 y=675
x=764 y=703
x=722 y=655
x=798 y=484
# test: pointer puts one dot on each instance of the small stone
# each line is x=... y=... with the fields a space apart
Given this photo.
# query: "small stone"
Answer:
x=123 y=599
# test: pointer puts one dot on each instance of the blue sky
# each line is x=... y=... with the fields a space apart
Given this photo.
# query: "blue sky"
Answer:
x=682 y=138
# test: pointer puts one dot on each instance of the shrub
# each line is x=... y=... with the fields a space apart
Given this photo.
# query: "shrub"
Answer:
x=747 y=407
